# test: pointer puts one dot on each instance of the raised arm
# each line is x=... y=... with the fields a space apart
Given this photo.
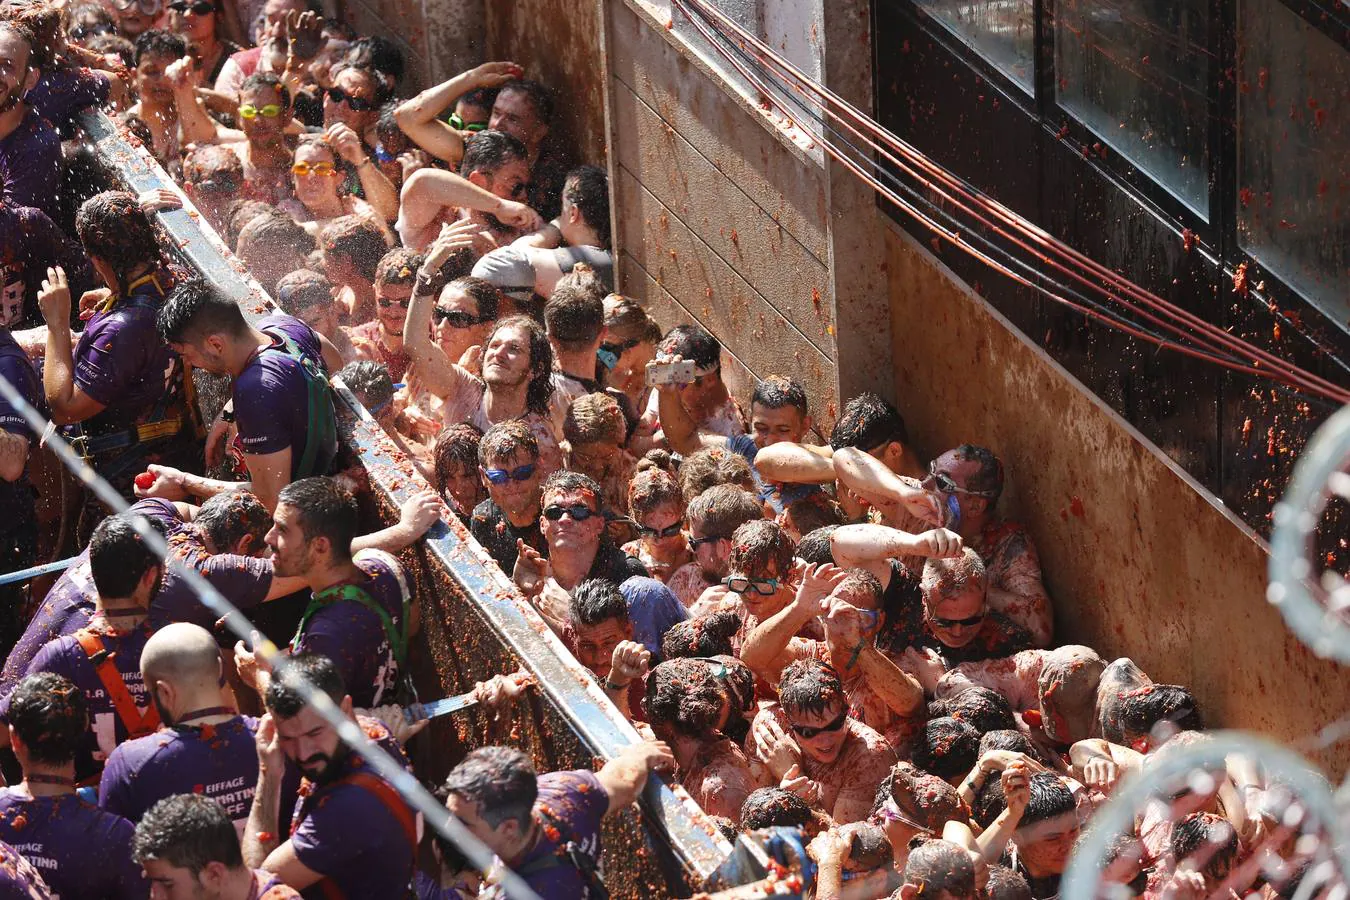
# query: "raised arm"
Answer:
x=872 y=547
x=679 y=427
x=420 y=117
x=67 y=402
x=795 y=463
x=624 y=776
x=869 y=478
x=440 y=374
x=196 y=126
x=379 y=190
x=765 y=645
x=429 y=191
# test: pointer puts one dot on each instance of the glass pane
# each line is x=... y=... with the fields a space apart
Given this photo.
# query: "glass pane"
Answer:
x=1001 y=31
x=1136 y=73
x=1294 y=153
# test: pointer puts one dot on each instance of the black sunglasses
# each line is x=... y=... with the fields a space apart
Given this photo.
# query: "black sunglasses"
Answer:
x=458 y=318
x=579 y=513
x=357 y=104
x=806 y=732
x=199 y=8
x=668 y=531
x=967 y=622
x=695 y=543
x=385 y=303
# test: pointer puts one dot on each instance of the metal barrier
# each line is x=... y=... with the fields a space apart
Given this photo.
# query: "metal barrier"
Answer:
x=474 y=623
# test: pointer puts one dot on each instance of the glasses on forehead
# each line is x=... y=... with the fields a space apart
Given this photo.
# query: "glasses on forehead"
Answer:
x=739 y=584
x=947 y=485
x=199 y=8
x=145 y=7
x=806 y=732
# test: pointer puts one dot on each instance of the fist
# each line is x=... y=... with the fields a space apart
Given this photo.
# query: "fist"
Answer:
x=630 y=660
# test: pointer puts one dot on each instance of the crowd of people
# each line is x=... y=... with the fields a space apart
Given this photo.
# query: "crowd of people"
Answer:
x=811 y=627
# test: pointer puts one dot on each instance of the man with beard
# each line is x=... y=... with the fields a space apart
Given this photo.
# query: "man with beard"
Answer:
x=190 y=851
x=206 y=747
x=281 y=401
x=103 y=659
x=83 y=850
x=353 y=832
x=358 y=615
x=30 y=148
x=381 y=339
x=713 y=517
x=489 y=191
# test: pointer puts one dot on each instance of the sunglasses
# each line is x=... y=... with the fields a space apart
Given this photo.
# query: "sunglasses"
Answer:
x=199 y=8
x=216 y=184
x=739 y=584
x=323 y=168
x=968 y=622
x=502 y=476
x=383 y=155
x=945 y=485
x=385 y=302
x=668 y=531
x=458 y=318
x=695 y=543
x=356 y=104
x=249 y=111
x=579 y=513
x=805 y=732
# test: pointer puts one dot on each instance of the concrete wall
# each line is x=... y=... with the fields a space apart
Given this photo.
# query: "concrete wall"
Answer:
x=1137 y=562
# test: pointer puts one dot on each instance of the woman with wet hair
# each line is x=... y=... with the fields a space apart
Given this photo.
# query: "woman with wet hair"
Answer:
x=320 y=192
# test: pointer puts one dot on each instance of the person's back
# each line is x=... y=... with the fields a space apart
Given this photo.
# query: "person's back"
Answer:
x=20 y=879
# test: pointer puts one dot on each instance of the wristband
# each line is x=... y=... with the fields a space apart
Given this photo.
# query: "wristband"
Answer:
x=424 y=284
x=611 y=686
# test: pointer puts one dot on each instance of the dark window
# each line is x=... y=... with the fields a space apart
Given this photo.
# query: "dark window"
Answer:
x=1002 y=31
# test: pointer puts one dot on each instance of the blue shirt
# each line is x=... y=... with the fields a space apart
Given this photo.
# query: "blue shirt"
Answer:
x=744 y=445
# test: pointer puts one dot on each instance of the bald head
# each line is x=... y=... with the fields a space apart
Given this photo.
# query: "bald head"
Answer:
x=182 y=655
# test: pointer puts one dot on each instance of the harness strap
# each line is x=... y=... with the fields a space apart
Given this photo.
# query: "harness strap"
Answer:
x=389 y=798
x=138 y=724
x=321 y=424
x=398 y=639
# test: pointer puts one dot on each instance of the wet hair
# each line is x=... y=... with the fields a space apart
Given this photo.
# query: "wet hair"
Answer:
x=206 y=166
x=113 y=45
x=939 y=867
x=659 y=458
x=921 y=796
x=759 y=548
x=945 y=577
x=564 y=481
x=51 y=716
x=285 y=702
x=488 y=151
x=574 y=317
x=989 y=477
x=869 y=848
x=1050 y=798
x=1158 y=708
x=456 y=445
x=112 y=226
x=596 y=600
x=325 y=510
x=88 y=20
x=137 y=128
x=483 y=98
x=692 y=342
x=685 y=695
x=868 y=422
x=626 y=320
x=814 y=512
x=595 y=419
x=860 y=581
x=1208 y=840
x=158 y=42
x=239 y=214
x=277 y=232
x=267 y=80
x=587 y=189
x=722 y=509
x=500 y=781
x=229 y=516
x=369 y=381
x=380 y=90
x=504 y=439
x=398 y=267
x=652 y=489
x=712 y=466
x=484 y=293
x=541 y=98
x=301 y=290
x=946 y=747
x=187 y=831
x=809 y=685
x=119 y=557
x=979 y=707
x=706 y=635
x=728 y=829
x=359 y=240
x=378 y=54
x=779 y=391
x=1007 y=739
x=770 y=807
x=43 y=20
x=196 y=309
x=1006 y=884
x=540 y=388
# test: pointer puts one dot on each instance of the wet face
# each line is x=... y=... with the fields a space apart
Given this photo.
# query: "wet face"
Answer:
x=397 y=296
x=472 y=113
x=262 y=130
x=292 y=553
x=506 y=361
x=594 y=459
x=463 y=484
x=955 y=619
x=150 y=81
x=820 y=735
x=137 y=17
x=762 y=605
x=567 y=534
x=332 y=53
x=499 y=840
x=664 y=518
x=701 y=394
x=205 y=355
x=630 y=372
x=594 y=644
x=772 y=426
x=170 y=882
x=309 y=742
x=195 y=26
x=459 y=330
x=853 y=616
x=322 y=318
x=711 y=556
x=516 y=498
x=961 y=472
x=514 y=113
x=317 y=188
x=510 y=181
x=1045 y=846
x=353 y=83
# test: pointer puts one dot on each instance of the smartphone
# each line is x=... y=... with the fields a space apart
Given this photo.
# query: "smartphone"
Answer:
x=681 y=372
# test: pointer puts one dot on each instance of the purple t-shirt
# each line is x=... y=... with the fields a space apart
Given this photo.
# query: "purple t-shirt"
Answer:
x=64 y=91
x=16 y=497
x=69 y=605
x=122 y=362
x=67 y=658
x=30 y=165
x=271 y=397
x=31 y=243
x=245 y=580
x=576 y=803
x=20 y=879
x=81 y=850
x=350 y=835
x=353 y=636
